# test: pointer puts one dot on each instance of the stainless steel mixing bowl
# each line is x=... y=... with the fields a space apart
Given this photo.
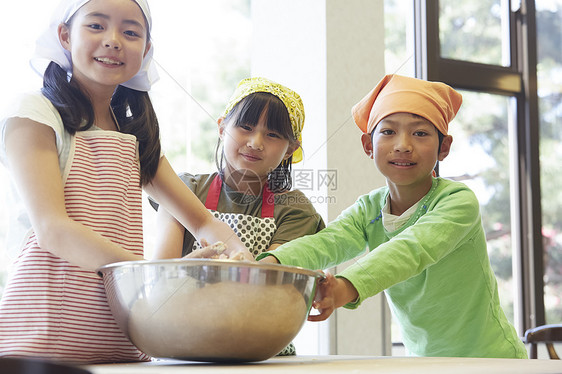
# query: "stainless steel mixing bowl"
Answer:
x=209 y=310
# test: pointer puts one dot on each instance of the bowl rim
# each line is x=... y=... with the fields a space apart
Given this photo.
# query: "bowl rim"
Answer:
x=211 y=262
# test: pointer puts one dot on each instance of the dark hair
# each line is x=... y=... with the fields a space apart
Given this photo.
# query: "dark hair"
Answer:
x=133 y=110
x=440 y=135
x=248 y=112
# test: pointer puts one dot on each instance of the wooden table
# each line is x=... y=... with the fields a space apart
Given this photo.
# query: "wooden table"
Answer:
x=341 y=364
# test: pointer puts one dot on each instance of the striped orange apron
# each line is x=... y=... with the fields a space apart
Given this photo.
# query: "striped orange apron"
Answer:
x=55 y=310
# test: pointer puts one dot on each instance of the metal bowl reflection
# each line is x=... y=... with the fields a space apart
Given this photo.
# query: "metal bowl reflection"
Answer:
x=209 y=310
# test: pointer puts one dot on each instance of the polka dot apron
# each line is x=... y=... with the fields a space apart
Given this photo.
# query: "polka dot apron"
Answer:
x=255 y=232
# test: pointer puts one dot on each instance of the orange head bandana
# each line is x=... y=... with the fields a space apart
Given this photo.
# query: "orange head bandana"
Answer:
x=434 y=101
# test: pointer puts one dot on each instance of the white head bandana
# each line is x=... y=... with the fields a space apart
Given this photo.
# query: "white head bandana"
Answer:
x=48 y=47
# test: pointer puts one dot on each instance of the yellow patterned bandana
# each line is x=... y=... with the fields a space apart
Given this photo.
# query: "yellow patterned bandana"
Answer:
x=290 y=98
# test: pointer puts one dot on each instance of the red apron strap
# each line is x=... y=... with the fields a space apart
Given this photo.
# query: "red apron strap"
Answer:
x=212 y=200
x=267 y=203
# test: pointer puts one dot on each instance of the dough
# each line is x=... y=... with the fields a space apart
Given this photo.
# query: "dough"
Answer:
x=225 y=321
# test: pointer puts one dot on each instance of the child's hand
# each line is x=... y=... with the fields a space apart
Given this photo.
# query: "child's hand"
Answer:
x=228 y=253
x=218 y=251
x=209 y=251
x=331 y=293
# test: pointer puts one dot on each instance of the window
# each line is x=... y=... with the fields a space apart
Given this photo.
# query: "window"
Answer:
x=474 y=31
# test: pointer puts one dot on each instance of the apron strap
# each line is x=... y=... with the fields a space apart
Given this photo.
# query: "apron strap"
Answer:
x=212 y=200
x=267 y=203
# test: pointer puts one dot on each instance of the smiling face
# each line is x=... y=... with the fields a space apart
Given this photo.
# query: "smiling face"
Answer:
x=405 y=148
x=107 y=40
x=253 y=150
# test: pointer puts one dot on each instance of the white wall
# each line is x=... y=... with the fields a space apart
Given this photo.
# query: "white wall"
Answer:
x=332 y=53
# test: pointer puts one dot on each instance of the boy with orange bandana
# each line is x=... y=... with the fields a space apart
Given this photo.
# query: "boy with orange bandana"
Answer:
x=426 y=243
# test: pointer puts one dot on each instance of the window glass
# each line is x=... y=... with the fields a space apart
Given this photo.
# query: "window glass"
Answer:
x=399 y=37
x=475 y=31
x=549 y=74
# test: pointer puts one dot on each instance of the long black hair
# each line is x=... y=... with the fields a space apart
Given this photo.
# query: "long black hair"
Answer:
x=133 y=110
x=248 y=112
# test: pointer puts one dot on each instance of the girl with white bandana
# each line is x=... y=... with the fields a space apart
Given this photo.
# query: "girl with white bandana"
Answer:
x=79 y=153
x=260 y=133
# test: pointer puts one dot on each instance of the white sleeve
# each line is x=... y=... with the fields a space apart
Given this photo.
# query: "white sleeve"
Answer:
x=35 y=107
x=38 y=108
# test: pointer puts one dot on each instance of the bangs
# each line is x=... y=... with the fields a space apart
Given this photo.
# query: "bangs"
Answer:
x=249 y=110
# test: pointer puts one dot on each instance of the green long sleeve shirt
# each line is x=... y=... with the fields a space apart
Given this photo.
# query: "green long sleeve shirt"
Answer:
x=434 y=270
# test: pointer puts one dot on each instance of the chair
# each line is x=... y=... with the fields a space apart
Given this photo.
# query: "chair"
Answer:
x=547 y=334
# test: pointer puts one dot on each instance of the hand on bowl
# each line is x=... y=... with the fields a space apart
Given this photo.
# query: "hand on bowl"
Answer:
x=332 y=292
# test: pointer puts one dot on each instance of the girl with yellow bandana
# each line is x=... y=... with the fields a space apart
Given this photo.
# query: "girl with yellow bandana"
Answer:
x=259 y=138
